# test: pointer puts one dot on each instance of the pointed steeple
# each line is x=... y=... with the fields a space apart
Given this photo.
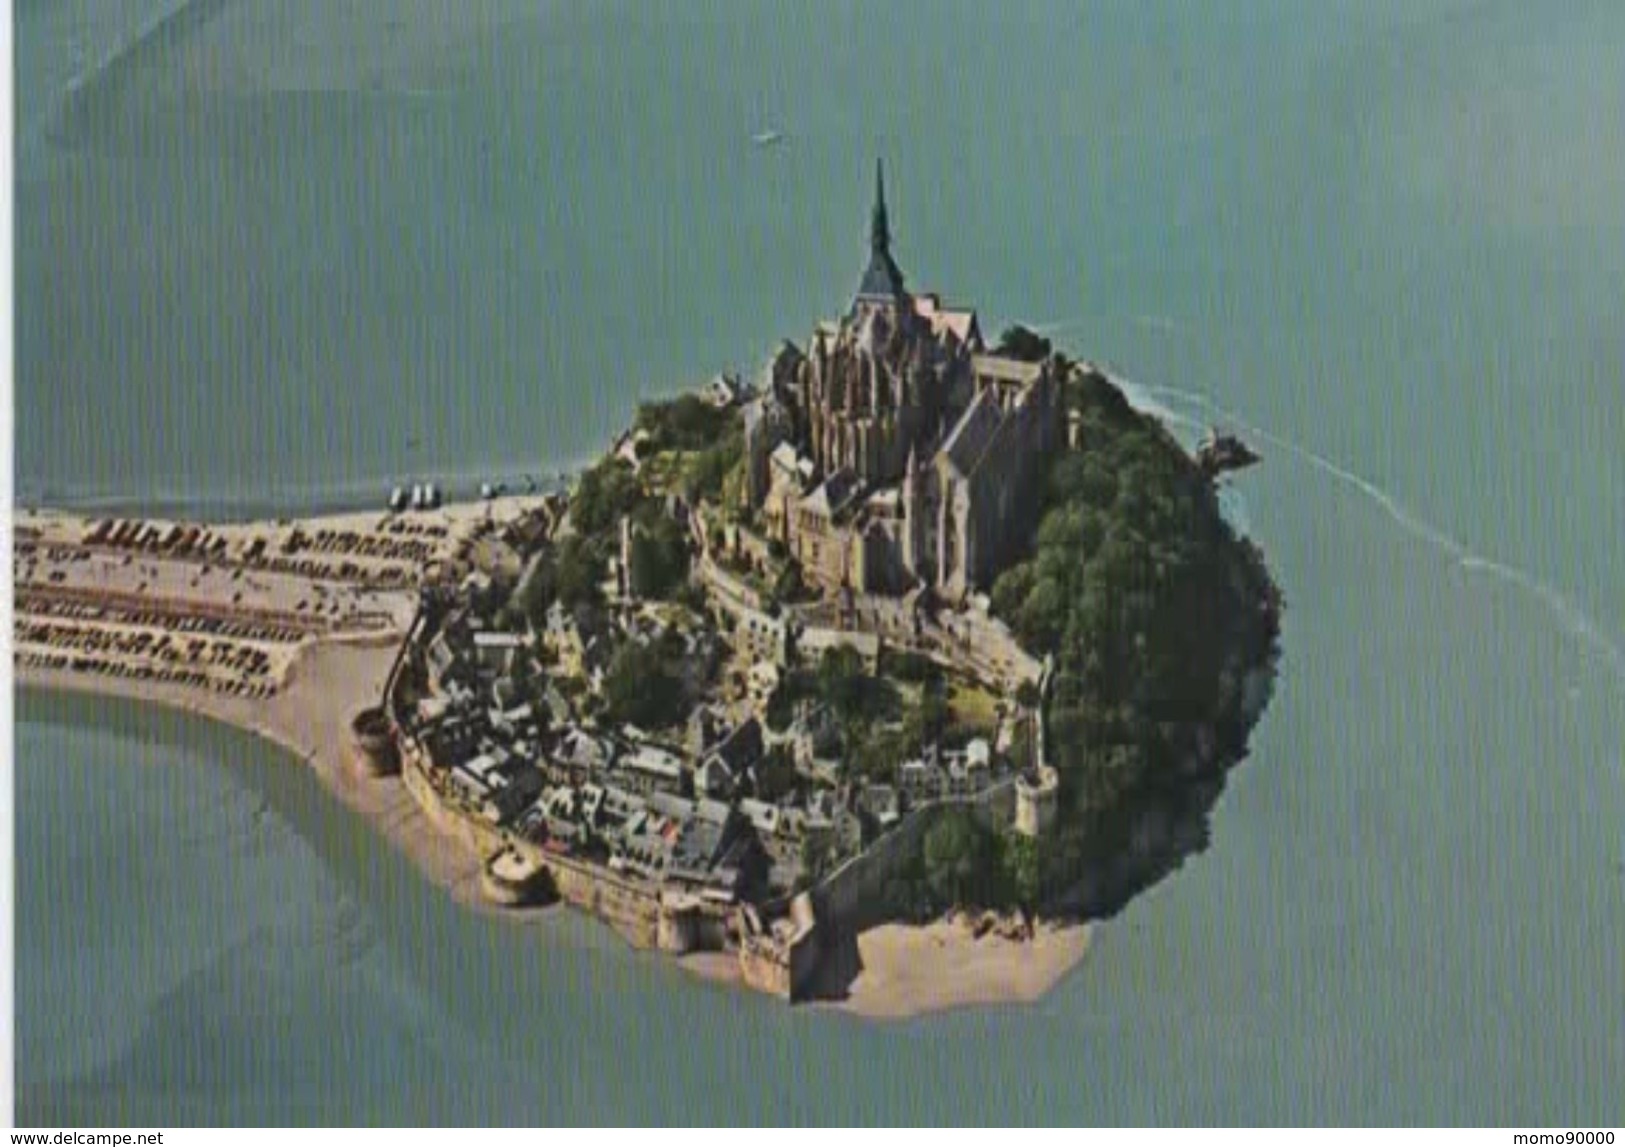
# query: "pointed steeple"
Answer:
x=882 y=282
x=879 y=229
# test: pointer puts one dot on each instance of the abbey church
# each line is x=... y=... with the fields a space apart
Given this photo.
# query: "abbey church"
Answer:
x=895 y=451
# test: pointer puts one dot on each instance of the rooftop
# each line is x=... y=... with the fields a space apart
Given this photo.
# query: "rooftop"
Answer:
x=972 y=435
x=656 y=761
x=1002 y=369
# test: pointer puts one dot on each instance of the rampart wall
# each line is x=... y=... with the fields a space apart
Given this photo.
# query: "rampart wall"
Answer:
x=853 y=896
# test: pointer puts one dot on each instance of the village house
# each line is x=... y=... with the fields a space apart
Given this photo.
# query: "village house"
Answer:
x=496 y=651
x=880 y=804
x=644 y=846
x=706 y=726
x=920 y=780
x=763 y=817
x=712 y=853
x=505 y=805
x=713 y=778
x=726 y=762
x=443 y=662
x=579 y=755
x=969 y=770
x=565 y=826
x=649 y=768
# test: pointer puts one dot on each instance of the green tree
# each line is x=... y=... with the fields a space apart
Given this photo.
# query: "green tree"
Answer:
x=876 y=756
x=1021 y=745
x=775 y=774
x=907 y=665
x=535 y=595
x=1027 y=345
x=1143 y=595
x=929 y=719
x=958 y=859
x=708 y=471
x=841 y=681
x=815 y=860
x=605 y=492
x=640 y=689
x=579 y=572
x=788 y=586
x=659 y=557
x=1022 y=869
x=686 y=423
x=736 y=491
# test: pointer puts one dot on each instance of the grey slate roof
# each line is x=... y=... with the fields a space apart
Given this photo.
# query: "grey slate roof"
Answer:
x=972 y=435
x=832 y=494
x=741 y=747
x=881 y=279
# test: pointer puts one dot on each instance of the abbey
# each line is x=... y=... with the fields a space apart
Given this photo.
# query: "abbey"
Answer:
x=896 y=452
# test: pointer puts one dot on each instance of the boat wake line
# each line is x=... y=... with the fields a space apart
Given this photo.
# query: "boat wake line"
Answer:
x=1573 y=619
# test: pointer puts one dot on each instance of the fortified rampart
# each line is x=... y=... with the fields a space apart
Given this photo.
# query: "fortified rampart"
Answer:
x=781 y=959
x=632 y=907
x=853 y=896
x=372 y=743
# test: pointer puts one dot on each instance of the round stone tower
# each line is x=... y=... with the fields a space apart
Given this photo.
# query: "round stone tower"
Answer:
x=372 y=743
x=1036 y=793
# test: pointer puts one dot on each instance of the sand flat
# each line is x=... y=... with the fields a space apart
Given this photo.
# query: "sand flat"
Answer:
x=914 y=969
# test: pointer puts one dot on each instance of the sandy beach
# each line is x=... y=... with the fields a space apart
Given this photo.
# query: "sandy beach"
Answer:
x=326 y=685
x=908 y=970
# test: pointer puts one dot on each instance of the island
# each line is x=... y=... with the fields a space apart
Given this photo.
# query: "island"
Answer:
x=870 y=681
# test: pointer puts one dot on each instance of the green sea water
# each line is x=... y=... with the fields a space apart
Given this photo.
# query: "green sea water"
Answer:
x=292 y=253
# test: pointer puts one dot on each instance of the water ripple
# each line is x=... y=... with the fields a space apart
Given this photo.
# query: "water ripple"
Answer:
x=1573 y=619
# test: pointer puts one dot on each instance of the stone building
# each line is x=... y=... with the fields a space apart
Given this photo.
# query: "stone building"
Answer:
x=896 y=451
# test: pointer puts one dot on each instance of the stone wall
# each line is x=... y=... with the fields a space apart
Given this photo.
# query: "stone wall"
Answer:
x=631 y=907
x=765 y=970
x=852 y=897
x=982 y=642
x=960 y=639
x=781 y=965
x=814 y=641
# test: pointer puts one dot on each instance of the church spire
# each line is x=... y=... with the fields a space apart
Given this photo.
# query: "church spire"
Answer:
x=882 y=282
x=879 y=230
